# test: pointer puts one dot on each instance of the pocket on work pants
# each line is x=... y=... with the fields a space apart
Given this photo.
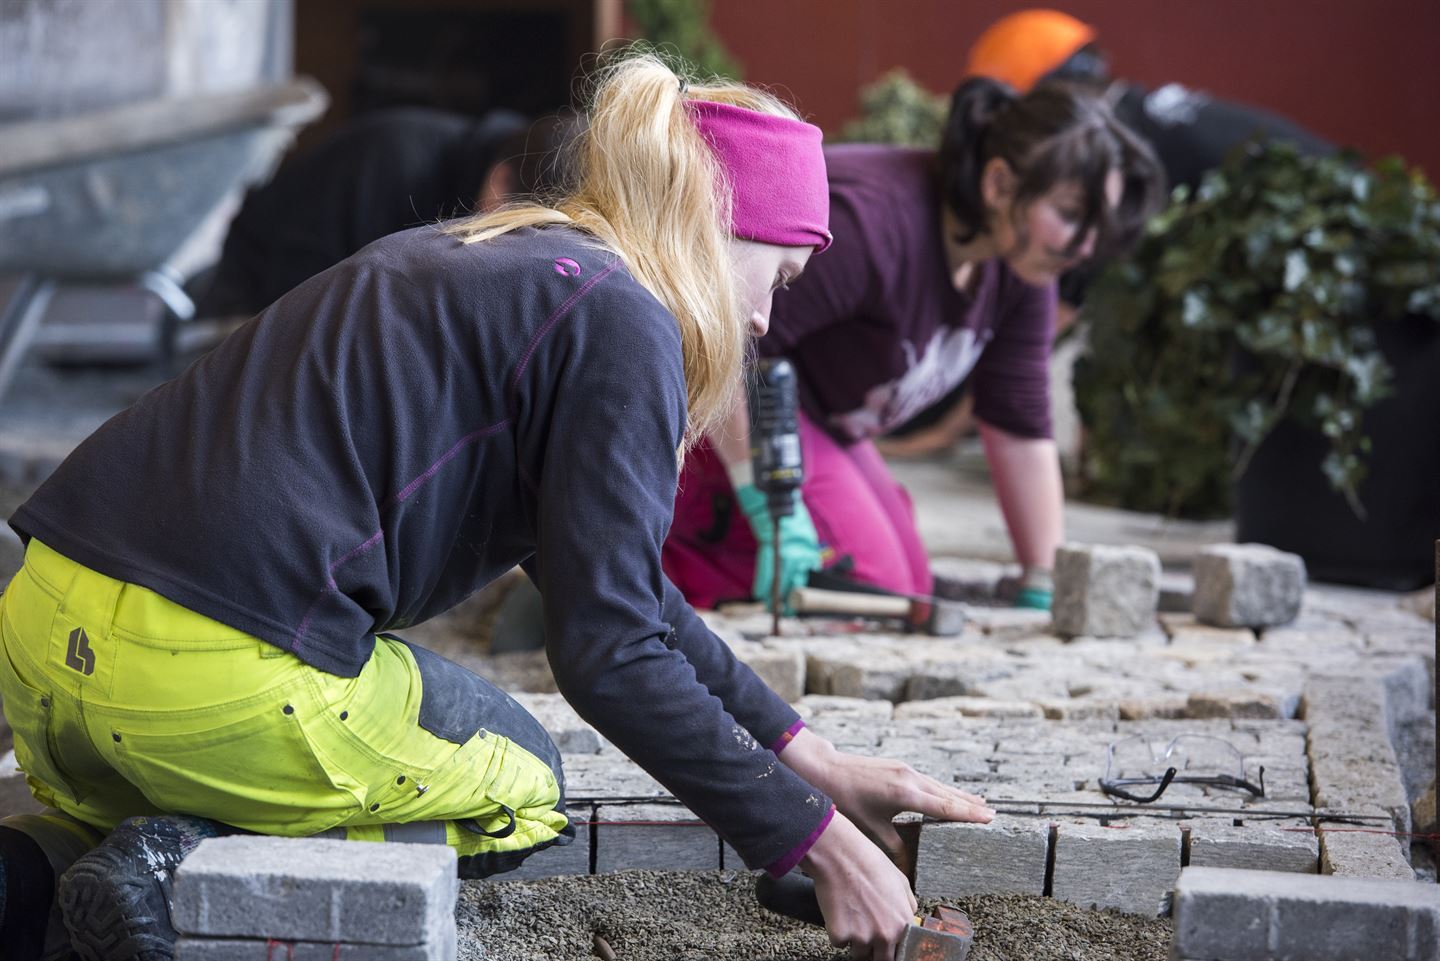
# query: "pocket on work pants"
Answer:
x=30 y=712
x=251 y=764
x=432 y=741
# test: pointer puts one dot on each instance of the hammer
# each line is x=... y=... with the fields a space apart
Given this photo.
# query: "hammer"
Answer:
x=944 y=935
x=835 y=594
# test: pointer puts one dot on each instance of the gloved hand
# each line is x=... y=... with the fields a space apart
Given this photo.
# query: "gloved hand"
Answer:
x=1036 y=589
x=799 y=544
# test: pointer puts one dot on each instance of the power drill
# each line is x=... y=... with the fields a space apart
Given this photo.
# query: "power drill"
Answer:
x=775 y=450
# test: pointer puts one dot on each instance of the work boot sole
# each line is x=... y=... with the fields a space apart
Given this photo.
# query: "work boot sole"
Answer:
x=111 y=914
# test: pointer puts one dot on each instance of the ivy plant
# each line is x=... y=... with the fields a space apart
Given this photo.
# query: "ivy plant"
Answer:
x=896 y=110
x=1252 y=302
x=684 y=27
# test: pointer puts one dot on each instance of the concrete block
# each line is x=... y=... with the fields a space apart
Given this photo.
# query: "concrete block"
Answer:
x=1008 y=622
x=1104 y=591
x=968 y=707
x=569 y=732
x=871 y=676
x=1248 y=585
x=961 y=676
x=1247 y=702
x=1026 y=685
x=1187 y=629
x=554 y=862
x=780 y=666
x=1259 y=845
x=823 y=705
x=441 y=948
x=1159 y=706
x=1352 y=853
x=958 y=860
x=303 y=889
x=655 y=837
x=1130 y=866
x=1081 y=709
x=847 y=733
x=1239 y=915
x=590 y=777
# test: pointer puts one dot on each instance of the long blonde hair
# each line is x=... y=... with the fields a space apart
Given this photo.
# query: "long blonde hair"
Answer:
x=650 y=190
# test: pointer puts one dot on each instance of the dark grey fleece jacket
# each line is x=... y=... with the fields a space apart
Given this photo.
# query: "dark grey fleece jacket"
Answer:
x=401 y=429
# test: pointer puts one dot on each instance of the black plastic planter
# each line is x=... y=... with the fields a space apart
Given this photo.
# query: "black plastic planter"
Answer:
x=1284 y=500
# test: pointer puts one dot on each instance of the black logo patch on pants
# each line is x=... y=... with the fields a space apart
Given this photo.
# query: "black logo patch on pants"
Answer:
x=78 y=654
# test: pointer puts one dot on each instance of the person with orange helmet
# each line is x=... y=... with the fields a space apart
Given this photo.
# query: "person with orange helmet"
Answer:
x=1189 y=131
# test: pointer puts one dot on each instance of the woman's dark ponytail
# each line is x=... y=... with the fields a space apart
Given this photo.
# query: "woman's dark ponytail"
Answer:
x=974 y=106
x=1057 y=133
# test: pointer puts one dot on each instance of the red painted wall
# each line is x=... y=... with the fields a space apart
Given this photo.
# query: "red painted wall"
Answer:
x=1360 y=72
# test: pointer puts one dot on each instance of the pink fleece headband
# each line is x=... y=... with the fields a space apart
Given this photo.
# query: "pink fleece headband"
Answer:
x=779 y=192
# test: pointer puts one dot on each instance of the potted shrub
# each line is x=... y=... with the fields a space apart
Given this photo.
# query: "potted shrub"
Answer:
x=1272 y=348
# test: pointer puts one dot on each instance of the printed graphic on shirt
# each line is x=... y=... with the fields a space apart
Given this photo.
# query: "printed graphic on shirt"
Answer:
x=948 y=359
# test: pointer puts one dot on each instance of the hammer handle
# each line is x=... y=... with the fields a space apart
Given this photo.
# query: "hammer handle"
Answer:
x=814 y=600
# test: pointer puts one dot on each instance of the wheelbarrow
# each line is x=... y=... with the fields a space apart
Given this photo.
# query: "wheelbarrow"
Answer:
x=110 y=196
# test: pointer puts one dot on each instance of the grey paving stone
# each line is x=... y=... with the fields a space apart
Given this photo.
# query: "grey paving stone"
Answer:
x=930 y=680
x=964 y=706
x=590 y=777
x=1008 y=622
x=440 y=948
x=566 y=728
x=1237 y=915
x=553 y=862
x=822 y=705
x=1186 y=628
x=1248 y=702
x=780 y=666
x=1149 y=708
x=858 y=674
x=1081 y=709
x=1131 y=866
x=1104 y=591
x=1348 y=852
x=848 y=733
x=958 y=860
x=1248 y=585
x=659 y=837
x=1289 y=845
x=304 y=889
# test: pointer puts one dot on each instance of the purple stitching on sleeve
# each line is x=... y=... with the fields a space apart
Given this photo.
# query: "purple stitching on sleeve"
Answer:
x=783 y=741
x=787 y=863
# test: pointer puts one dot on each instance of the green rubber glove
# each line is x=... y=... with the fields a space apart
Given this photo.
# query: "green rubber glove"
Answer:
x=1036 y=589
x=799 y=544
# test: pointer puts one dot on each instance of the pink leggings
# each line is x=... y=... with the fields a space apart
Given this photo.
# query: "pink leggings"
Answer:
x=859 y=510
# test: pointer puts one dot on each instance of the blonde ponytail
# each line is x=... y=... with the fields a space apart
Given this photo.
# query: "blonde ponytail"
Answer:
x=650 y=190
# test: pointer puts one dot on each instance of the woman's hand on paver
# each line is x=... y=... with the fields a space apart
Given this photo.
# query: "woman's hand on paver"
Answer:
x=866 y=900
x=870 y=791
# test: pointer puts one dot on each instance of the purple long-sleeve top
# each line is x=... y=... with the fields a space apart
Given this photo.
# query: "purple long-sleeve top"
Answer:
x=877 y=330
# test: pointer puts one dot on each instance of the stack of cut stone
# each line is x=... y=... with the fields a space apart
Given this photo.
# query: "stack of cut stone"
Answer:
x=261 y=898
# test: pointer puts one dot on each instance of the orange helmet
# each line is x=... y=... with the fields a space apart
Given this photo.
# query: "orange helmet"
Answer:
x=1021 y=48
